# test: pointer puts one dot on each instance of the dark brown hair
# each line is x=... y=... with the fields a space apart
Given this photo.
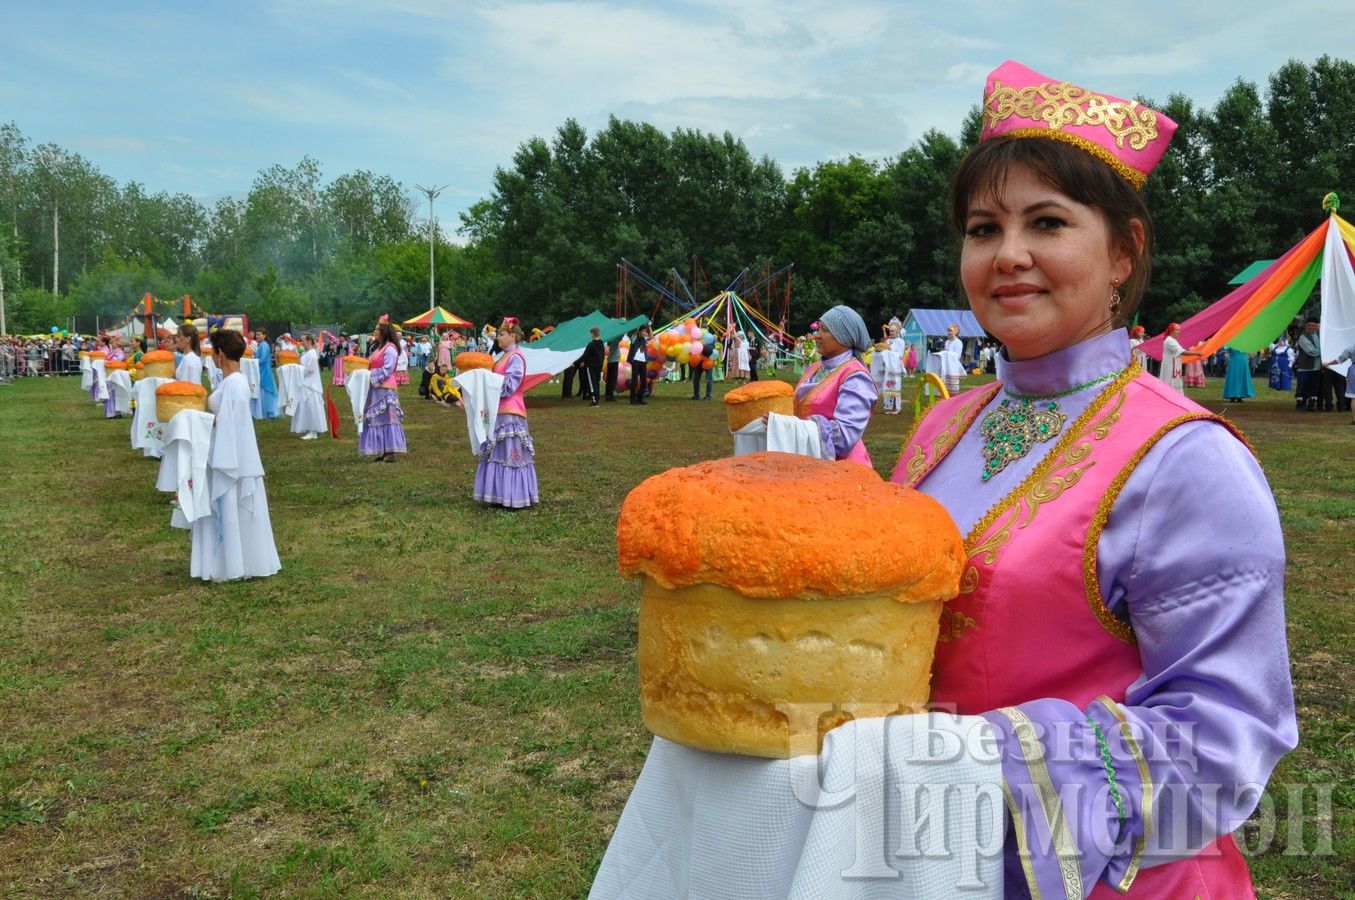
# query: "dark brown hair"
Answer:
x=385 y=333
x=1070 y=171
x=231 y=344
x=190 y=331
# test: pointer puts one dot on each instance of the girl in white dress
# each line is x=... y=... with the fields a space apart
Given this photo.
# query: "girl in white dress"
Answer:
x=309 y=418
x=190 y=363
x=741 y=364
x=236 y=540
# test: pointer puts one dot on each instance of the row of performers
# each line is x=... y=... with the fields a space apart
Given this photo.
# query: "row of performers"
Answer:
x=232 y=538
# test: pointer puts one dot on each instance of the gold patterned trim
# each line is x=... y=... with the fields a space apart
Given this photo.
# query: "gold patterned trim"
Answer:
x=1022 y=842
x=1126 y=171
x=1032 y=751
x=953 y=625
x=920 y=465
x=908 y=439
x=1062 y=103
x=1095 y=600
x=1038 y=487
x=1090 y=581
x=916 y=466
x=1145 y=795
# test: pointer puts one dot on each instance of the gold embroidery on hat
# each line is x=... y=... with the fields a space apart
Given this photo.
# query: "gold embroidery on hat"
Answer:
x=1060 y=104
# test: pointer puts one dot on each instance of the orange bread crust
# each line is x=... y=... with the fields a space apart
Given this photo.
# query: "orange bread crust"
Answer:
x=464 y=362
x=114 y=364
x=156 y=356
x=180 y=389
x=759 y=390
x=778 y=525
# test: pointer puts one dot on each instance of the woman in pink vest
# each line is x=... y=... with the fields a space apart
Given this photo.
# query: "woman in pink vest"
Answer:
x=507 y=472
x=1135 y=675
x=837 y=392
x=383 y=430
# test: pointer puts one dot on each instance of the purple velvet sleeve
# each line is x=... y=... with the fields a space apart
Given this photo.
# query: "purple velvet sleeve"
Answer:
x=1193 y=557
x=386 y=368
x=855 y=400
x=512 y=375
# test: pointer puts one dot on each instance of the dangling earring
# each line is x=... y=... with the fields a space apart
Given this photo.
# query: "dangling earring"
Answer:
x=1114 y=295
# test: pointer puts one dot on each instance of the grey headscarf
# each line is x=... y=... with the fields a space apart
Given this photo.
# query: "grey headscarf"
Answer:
x=846 y=324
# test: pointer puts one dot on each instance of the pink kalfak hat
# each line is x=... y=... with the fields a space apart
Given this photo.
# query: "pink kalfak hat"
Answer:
x=1128 y=137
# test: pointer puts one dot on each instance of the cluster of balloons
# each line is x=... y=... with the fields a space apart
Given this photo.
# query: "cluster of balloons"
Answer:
x=686 y=343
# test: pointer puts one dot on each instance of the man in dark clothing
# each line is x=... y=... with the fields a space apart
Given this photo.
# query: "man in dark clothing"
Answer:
x=699 y=371
x=637 y=360
x=754 y=355
x=567 y=390
x=593 y=356
x=613 y=367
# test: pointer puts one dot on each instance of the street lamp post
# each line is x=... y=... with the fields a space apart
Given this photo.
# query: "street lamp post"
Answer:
x=432 y=234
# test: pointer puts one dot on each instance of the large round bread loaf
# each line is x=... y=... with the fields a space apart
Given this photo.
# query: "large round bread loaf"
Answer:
x=352 y=363
x=782 y=596
x=472 y=359
x=177 y=396
x=752 y=401
x=157 y=364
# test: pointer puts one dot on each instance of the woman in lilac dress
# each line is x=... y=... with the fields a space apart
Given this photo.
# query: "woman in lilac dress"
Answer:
x=507 y=472
x=383 y=432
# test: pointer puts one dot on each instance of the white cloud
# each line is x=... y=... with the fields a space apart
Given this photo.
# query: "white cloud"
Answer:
x=445 y=91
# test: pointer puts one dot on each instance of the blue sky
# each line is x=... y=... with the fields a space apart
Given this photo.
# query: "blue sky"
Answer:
x=198 y=96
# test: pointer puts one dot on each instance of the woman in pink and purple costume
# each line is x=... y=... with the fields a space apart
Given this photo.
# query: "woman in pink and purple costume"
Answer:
x=1136 y=677
x=115 y=353
x=383 y=432
x=837 y=392
x=506 y=475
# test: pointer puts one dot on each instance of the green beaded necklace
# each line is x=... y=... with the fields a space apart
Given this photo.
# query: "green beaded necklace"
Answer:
x=1016 y=424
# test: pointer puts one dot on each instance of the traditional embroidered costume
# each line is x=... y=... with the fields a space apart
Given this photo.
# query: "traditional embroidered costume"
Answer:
x=1126 y=666
x=506 y=475
x=1194 y=374
x=383 y=418
x=838 y=393
x=402 y=364
x=1281 y=377
x=115 y=354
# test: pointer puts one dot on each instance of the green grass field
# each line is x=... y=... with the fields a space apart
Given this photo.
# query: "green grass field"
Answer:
x=435 y=698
